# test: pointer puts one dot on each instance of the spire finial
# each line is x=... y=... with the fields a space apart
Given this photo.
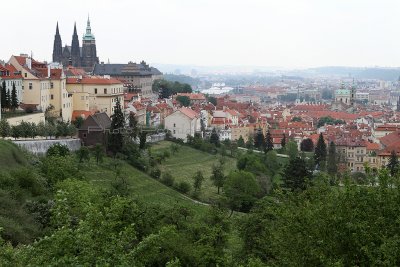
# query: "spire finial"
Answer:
x=75 y=33
x=57 y=31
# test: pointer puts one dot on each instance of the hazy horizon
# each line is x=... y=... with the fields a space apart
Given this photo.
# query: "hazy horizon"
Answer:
x=289 y=34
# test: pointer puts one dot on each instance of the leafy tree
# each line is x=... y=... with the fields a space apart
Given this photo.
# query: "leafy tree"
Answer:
x=393 y=164
x=283 y=141
x=240 y=142
x=217 y=176
x=332 y=159
x=183 y=100
x=83 y=154
x=250 y=143
x=5 y=128
x=329 y=120
x=307 y=145
x=167 y=88
x=320 y=151
x=268 y=142
x=214 y=138
x=296 y=119
x=71 y=130
x=292 y=150
x=241 y=189
x=14 y=99
x=167 y=179
x=116 y=141
x=296 y=174
x=259 y=142
x=272 y=163
x=98 y=151
x=78 y=122
x=198 y=181
x=41 y=129
x=183 y=187
x=58 y=150
x=16 y=131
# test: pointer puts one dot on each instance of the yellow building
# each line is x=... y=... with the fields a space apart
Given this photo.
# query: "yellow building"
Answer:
x=95 y=94
x=44 y=87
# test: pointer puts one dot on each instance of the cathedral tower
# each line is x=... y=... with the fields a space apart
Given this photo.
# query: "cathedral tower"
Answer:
x=75 y=49
x=57 y=47
x=89 y=53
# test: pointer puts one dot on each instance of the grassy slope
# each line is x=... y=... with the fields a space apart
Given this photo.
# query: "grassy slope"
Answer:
x=187 y=161
x=142 y=186
x=10 y=155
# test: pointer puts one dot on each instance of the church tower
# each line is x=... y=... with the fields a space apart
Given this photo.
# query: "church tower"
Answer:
x=89 y=54
x=75 y=49
x=57 y=47
x=353 y=94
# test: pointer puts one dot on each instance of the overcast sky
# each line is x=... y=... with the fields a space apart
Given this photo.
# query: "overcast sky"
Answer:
x=285 y=33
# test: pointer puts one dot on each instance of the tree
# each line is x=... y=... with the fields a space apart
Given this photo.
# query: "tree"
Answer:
x=14 y=99
x=133 y=125
x=332 y=159
x=296 y=119
x=184 y=100
x=5 y=128
x=241 y=189
x=41 y=129
x=214 y=138
x=217 y=176
x=283 y=141
x=250 y=143
x=212 y=100
x=3 y=96
x=83 y=154
x=16 y=131
x=320 y=151
x=198 y=181
x=291 y=150
x=98 y=151
x=296 y=174
x=240 y=142
x=307 y=145
x=393 y=164
x=78 y=122
x=268 y=142
x=58 y=150
x=116 y=141
x=8 y=99
x=259 y=142
x=142 y=140
x=272 y=163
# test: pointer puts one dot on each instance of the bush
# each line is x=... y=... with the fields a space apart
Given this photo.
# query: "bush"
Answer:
x=58 y=150
x=166 y=154
x=167 y=179
x=184 y=187
x=155 y=173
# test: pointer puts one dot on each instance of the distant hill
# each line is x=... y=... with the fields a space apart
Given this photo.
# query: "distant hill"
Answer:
x=10 y=155
x=379 y=73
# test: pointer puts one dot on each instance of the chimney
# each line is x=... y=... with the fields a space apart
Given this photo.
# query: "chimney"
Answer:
x=48 y=71
x=29 y=62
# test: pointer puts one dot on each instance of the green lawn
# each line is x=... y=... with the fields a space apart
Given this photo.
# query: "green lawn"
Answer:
x=142 y=187
x=187 y=161
x=10 y=155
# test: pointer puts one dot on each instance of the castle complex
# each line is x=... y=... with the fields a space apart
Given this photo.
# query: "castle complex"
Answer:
x=84 y=56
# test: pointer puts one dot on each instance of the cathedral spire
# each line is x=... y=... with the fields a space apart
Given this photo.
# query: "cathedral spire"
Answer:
x=57 y=46
x=57 y=31
x=88 y=28
x=75 y=33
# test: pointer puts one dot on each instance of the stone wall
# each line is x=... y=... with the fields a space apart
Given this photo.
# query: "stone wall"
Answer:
x=33 y=117
x=40 y=147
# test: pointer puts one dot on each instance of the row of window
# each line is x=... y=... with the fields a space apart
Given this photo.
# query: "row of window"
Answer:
x=113 y=90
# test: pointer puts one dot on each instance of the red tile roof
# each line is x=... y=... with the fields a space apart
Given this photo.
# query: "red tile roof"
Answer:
x=93 y=80
x=81 y=113
x=188 y=112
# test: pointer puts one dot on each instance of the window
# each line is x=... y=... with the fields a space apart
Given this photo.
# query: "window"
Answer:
x=26 y=75
x=51 y=85
x=95 y=90
x=30 y=86
x=174 y=131
x=174 y=125
x=82 y=98
x=105 y=91
x=84 y=135
x=51 y=97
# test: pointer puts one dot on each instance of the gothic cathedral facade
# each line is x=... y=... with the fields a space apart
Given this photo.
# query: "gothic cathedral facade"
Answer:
x=83 y=57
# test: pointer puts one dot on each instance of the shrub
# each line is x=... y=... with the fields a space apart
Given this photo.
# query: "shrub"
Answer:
x=184 y=187
x=167 y=179
x=155 y=173
x=166 y=154
x=58 y=150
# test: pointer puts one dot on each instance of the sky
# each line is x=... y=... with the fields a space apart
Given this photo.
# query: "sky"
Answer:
x=275 y=33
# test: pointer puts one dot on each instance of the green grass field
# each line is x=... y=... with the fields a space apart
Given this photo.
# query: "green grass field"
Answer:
x=10 y=155
x=142 y=187
x=187 y=161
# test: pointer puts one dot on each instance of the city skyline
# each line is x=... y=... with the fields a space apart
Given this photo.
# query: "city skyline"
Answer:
x=284 y=34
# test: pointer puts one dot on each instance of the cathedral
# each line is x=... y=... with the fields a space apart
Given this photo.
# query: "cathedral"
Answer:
x=84 y=56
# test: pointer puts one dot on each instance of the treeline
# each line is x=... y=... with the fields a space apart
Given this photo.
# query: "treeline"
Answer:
x=32 y=130
x=9 y=100
x=167 y=88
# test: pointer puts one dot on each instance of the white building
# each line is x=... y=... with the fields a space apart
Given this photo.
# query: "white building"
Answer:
x=10 y=75
x=183 y=122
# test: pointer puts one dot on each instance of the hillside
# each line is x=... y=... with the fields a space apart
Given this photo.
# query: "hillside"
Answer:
x=10 y=155
x=187 y=161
